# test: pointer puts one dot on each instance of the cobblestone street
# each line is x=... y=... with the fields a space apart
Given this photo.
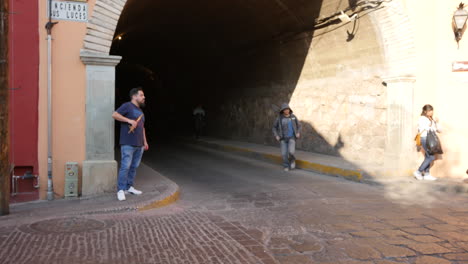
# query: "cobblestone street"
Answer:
x=237 y=210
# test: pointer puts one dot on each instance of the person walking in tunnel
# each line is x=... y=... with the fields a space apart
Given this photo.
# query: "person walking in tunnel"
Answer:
x=426 y=125
x=199 y=120
x=132 y=141
x=287 y=129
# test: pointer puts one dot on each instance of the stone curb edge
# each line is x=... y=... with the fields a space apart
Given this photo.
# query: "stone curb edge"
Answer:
x=167 y=200
x=353 y=175
x=169 y=196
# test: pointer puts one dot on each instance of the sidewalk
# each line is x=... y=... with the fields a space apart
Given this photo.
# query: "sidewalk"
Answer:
x=158 y=191
x=328 y=165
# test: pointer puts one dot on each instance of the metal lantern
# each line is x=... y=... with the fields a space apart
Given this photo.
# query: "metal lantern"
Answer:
x=459 y=21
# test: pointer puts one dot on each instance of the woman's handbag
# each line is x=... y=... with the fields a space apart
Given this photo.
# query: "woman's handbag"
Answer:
x=433 y=145
x=418 y=138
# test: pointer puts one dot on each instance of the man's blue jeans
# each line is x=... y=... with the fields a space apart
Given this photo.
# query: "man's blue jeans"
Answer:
x=428 y=159
x=288 y=148
x=131 y=158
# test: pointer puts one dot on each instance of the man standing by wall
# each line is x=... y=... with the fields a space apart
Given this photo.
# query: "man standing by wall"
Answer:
x=286 y=130
x=132 y=141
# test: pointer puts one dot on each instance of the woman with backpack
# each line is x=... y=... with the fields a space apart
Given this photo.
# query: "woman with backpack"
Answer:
x=426 y=125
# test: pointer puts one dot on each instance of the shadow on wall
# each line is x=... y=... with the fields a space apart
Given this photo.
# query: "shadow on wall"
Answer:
x=313 y=140
x=352 y=3
x=268 y=76
x=449 y=163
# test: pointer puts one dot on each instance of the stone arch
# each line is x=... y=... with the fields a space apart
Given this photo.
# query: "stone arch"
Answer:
x=397 y=38
x=101 y=27
x=393 y=27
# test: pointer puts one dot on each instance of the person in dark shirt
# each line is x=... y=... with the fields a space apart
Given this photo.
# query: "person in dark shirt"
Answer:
x=199 y=120
x=132 y=141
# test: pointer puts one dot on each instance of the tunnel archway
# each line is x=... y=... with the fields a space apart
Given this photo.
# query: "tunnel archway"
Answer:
x=186 y=53
x=243 y=59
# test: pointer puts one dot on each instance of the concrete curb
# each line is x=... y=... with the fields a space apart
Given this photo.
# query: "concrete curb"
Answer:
x=170 y=194
x=169 y=197
x=349 y=174
x=158 y=192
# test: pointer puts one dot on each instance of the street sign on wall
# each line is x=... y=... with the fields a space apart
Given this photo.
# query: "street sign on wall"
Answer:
x=460 y=66
x=68 y=10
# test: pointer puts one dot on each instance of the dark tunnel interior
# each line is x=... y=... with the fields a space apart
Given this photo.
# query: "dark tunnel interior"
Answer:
x=228 y=56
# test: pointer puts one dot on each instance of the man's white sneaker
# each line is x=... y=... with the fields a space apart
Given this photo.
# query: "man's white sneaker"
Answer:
x=428 y=177
x=293 y=165
x=121 y=195
x=286 y=169
x=134 y=191
x=418 y=175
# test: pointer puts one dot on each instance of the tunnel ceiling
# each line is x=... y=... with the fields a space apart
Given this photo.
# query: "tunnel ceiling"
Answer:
x=187 y=30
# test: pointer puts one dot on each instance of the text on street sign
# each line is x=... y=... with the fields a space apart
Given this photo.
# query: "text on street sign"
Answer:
x=66 y=10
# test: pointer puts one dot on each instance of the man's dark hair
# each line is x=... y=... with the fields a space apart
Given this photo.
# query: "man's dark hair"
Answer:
x=134 y=91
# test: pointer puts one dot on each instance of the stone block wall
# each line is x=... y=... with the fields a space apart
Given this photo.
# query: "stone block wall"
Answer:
x=334 y=86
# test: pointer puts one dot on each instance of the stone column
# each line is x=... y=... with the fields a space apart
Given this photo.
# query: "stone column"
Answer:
x=400 y=151
x=100 y=167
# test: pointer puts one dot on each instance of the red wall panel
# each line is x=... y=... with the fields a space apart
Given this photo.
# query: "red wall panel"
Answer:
x=24 y=82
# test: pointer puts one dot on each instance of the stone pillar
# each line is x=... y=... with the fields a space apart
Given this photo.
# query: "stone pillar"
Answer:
x=400 y=154
x=100 y=167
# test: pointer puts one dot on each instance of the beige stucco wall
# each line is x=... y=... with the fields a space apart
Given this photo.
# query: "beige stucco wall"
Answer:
x=68 y=102
x=437 y=84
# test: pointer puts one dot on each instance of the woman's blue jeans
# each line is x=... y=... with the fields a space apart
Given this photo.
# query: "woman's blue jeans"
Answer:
x=428 y=159
x=288 y=148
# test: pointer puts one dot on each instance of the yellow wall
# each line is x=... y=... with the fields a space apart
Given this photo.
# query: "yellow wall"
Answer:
x=68 y=89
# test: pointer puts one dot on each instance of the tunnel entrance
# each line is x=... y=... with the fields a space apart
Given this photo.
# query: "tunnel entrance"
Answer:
x=240 y=60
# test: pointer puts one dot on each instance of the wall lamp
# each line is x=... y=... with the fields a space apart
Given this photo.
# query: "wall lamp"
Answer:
x=459 y=21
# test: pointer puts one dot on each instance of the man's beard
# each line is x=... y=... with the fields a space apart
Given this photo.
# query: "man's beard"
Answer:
x=142 y=104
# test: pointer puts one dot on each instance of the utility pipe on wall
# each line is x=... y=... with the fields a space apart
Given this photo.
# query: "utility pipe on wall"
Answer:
x=49 y=26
